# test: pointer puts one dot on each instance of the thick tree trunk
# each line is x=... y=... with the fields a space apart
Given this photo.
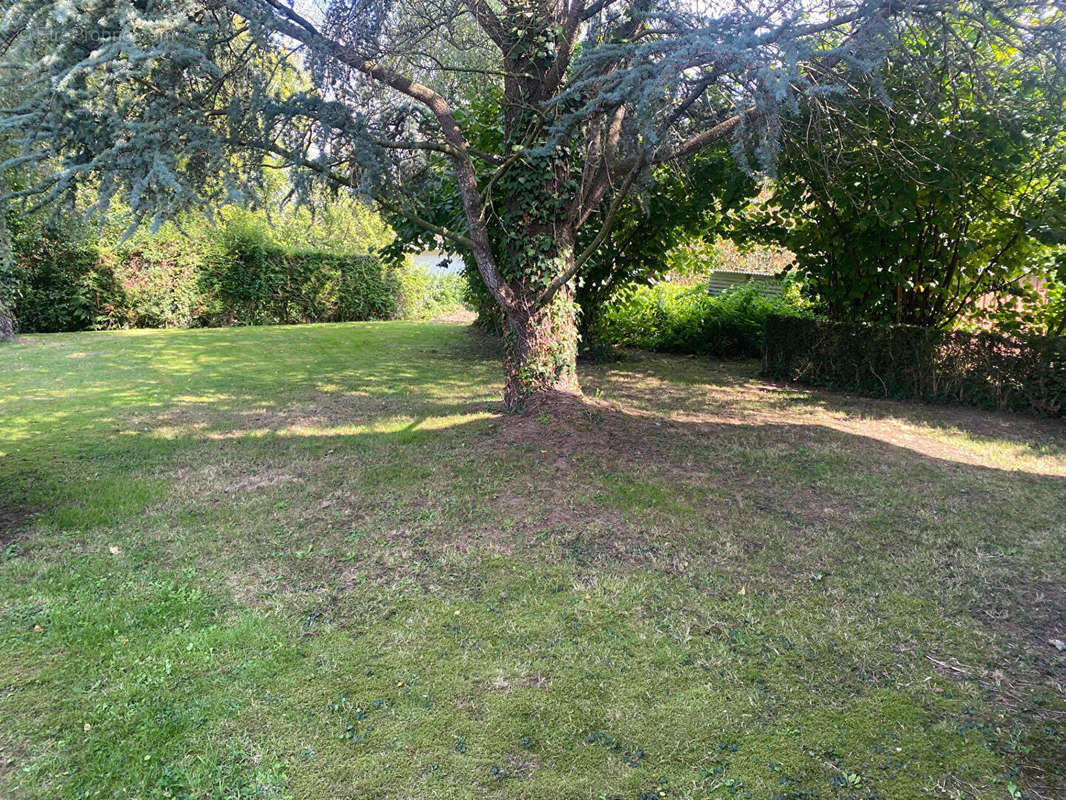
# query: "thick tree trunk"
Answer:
x=540 y=352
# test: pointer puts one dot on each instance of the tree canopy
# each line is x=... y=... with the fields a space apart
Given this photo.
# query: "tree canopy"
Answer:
x=186 y=103
x=910 y=209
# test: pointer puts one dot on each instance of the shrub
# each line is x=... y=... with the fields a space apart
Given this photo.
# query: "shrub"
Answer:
x=64 y=282
x=59 y=285
x=981 y=369
x=670 y=318
x=158 y=284
x=425 y=294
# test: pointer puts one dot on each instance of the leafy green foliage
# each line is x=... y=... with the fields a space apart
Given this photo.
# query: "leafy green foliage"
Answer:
x=1055 y=319
x=59 y=283
x=930 y=187
x=983 y=369
x=686 y=202
x=66 y=281
x=425 y=294
x=671 y=318
x=156 y=283
x=334 y=222
x=253 y=281
x=682 y=202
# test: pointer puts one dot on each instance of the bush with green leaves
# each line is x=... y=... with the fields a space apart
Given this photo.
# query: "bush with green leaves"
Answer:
x=250 y=280
x=58 y=282
x=156 y=281
x=915 y=211
x=672 y=318
x=67 y=279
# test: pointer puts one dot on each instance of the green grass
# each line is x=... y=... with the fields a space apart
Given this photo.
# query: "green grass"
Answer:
x=317 y=562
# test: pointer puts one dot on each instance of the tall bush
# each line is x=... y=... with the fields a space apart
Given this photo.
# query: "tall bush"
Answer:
x=58 y=283
x=425 y=294
x=66 y=280
x=157 y=282
x=912 y=211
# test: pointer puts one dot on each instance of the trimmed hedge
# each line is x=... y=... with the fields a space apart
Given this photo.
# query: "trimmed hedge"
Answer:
x=274 y=286
x=982 y=369
x=65 y=284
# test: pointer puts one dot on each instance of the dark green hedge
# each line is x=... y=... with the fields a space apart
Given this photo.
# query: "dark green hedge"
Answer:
x=59 y=285
x=269 y=285
x=984 y=369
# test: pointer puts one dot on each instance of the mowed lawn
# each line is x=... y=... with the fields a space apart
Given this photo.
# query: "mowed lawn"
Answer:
x=318 y=562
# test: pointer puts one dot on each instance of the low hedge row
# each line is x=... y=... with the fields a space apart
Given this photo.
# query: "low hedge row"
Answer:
x=982 y=369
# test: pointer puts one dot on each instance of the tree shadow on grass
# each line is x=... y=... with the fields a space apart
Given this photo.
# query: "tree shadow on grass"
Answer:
x=761 y=493
x=736 y=389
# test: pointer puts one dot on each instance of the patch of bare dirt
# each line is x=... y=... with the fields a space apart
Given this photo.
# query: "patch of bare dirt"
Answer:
x=509 y=683
x=459 y=316
x=225 y=419
x=209 y=479
x=564 y=424
x=12 y=522
x=1028 y=615
x=521 y=766
x=12 y=755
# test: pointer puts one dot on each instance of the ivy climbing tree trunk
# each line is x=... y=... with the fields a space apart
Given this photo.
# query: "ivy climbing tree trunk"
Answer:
x=7 y=264
x=531 y=244
x=540 y=351
x=7 y=325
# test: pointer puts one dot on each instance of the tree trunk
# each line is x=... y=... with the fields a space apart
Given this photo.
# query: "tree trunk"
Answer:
x=540 y=352
x=7 y=264
x=7 y=326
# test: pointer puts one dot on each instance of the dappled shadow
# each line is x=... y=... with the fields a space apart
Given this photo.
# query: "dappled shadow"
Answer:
x=735 y=391
x=12 y=521
x=793 y=473
x=135 y=378
x=1032 y=431
x=678 y=469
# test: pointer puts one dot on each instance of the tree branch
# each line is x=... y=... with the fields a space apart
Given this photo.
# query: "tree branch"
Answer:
x=588 y=252
x=295 y=159
x=296 y=27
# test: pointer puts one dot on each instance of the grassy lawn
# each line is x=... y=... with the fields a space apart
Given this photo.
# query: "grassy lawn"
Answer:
x=317 y=562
